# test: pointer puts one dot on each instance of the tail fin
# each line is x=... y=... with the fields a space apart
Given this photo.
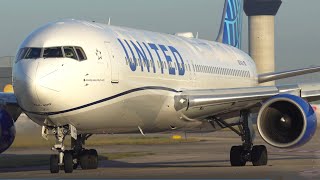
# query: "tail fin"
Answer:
x=231 y=23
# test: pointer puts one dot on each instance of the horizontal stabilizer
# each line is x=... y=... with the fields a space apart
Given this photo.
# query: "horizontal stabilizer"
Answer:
x=262 y=78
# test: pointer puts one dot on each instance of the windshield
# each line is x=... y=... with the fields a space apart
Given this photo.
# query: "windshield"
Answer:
x=32 y=53
x=71 y=52
x=53 y=52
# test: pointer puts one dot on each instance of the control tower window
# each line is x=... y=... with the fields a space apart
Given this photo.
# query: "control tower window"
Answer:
x=53 y=52
x=32 y=53
x=70 y=53
x=82 y=56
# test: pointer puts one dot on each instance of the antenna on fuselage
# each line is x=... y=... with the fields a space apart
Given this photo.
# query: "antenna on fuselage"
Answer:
x=109 y=21
x=197 y=35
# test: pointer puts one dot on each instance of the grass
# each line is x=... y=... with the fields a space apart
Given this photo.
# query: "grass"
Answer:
x=138 y=141
x=35 y=141
x=121 y=155
x=16 y=161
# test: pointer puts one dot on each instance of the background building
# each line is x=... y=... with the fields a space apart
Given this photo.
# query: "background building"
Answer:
x=5 y=71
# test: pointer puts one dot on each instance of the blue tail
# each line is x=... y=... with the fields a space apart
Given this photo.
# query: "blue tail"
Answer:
x=231 y=23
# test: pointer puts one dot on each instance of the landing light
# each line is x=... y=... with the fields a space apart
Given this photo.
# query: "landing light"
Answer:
x=182 y=101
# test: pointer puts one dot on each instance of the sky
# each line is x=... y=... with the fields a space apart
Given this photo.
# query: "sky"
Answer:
x=296 y=28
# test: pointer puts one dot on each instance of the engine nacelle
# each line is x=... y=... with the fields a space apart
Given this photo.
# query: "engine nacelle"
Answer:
x=7 y=130
x=286 y=121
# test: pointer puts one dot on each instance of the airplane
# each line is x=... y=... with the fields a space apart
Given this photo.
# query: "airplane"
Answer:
x=80 y=78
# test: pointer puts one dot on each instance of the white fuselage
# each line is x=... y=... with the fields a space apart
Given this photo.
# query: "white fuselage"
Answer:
x=128 y=80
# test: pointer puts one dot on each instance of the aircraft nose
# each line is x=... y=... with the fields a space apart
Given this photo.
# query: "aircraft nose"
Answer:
x=35 y=84
x=24 y=74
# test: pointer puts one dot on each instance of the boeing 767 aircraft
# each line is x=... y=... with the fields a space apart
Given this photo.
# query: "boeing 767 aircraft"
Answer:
x=81 y=78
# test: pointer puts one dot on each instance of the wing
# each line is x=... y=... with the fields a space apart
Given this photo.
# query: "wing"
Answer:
x=8 y=102
x=286 y=74
x=195 y=104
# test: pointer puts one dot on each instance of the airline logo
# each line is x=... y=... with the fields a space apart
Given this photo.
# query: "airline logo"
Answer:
x=148 y=54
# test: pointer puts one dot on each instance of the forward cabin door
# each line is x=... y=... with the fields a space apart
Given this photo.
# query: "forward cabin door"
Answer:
x=192 y=73
x=114 y=65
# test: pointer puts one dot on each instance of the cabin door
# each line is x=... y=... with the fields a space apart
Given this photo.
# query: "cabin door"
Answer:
x=114 y=65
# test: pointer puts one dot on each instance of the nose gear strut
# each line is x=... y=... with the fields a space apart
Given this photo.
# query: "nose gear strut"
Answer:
x=68 y=160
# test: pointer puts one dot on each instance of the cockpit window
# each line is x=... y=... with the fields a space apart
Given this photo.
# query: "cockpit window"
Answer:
x=32 y=53
x=81 y=54
x=52 y=52
x=70 y=53
x=21 y=54
x=76 y=53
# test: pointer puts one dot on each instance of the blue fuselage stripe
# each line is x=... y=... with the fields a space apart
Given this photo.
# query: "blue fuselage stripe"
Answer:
x=106 y=99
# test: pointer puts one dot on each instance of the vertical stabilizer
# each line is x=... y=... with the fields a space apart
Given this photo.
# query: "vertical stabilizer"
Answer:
x=231 y=23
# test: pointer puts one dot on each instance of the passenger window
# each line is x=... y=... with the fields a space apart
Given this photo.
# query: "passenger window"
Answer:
x=70 y=53
x=53 y=52
x=32 y=53
x=82 y=56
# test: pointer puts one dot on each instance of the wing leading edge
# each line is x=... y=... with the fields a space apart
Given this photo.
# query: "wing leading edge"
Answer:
x=262 y=78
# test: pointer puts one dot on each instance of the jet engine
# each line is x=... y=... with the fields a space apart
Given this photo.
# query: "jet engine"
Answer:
x=286 y=121
x=7 y=130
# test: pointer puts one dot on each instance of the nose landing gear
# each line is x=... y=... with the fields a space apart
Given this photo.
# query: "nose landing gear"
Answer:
x=68 y=160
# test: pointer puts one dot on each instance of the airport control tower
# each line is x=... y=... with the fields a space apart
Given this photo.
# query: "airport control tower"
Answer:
x=261 y=14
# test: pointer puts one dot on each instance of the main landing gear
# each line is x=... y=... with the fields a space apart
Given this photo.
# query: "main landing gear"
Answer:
x=68 y=160
x=247 y=152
